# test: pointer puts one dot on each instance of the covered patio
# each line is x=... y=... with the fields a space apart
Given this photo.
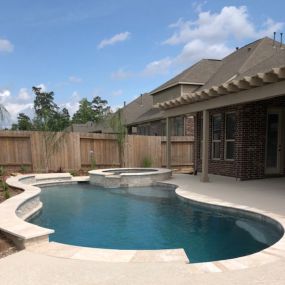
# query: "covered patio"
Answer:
x=239 y=126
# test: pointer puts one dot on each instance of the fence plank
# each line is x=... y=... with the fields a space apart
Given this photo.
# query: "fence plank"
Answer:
x=75 y=151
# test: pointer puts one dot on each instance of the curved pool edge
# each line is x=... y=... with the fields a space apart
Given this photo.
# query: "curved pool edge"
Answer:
x=37 y=237
x=15 y=210
x=270 y=254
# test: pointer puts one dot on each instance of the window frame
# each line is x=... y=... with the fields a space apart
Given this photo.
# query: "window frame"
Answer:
x=215 y=140
x=229 y=140
x=178 y=126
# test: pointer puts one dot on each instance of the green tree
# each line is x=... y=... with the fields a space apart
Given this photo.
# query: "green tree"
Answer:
x=60 y=120
x=50 y=120
x=85 y=112
x=100 y=107
x=24 y=123
x=93 y=111
x=45 y=110
x=49 y=117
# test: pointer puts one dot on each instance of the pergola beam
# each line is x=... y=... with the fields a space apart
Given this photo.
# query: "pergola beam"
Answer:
x=235 y=86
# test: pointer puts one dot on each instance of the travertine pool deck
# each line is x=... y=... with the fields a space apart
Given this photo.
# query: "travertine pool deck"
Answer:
x=267 y=196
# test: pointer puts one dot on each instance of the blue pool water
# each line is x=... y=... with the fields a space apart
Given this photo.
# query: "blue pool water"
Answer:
x=148 y=218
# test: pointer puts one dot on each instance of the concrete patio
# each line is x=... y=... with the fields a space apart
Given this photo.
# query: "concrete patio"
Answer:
x=27 y=267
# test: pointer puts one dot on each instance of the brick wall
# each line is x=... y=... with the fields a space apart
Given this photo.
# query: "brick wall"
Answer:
x=250 y=140
x=189 y=126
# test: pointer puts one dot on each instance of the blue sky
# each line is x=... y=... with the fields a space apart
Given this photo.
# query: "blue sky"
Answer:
x=117 y=49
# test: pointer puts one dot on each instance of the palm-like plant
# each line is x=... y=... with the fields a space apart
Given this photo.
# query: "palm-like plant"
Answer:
x=3 y=113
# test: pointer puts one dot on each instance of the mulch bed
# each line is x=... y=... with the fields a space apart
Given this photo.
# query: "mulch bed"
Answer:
x=6 y=246
x=12 y=192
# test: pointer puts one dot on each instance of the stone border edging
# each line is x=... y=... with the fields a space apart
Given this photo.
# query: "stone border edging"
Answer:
x=27 y=204
x=268 y=255
x=33 y=236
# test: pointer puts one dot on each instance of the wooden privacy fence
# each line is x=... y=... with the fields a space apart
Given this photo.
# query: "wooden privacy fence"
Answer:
x=75 y=151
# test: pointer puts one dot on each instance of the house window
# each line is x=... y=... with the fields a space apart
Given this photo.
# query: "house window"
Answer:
x=178 y=126
x=216 y=136
x=230 y=128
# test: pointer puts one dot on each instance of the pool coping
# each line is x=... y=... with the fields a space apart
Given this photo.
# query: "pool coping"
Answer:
x=109 y=178
x=35 y=238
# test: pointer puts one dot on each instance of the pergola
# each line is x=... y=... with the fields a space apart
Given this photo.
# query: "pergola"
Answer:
x=247 y=89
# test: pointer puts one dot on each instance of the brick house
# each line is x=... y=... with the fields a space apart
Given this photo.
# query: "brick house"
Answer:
x=239 y=114
x=153 y=122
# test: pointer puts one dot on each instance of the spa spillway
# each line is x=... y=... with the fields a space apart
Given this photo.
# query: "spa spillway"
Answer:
x=128 y=177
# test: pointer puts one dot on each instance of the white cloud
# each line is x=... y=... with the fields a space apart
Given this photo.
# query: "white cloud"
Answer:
x=14 y=106
x=73 y=105
x=4 y=94
x=42 y=86
x=6 y=46
x=198 y=6
x=157 y=67
x=209 y=35
x=121 y=74
x=231 y=22
x=115 y=39
x=197 y=49
x=117 y=93
x=74 y=79
x=270 y=27
x=24 y=94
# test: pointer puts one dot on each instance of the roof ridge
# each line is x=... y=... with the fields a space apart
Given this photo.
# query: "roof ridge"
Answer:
x=191 y=75
x=244 y=47
x=257 y=47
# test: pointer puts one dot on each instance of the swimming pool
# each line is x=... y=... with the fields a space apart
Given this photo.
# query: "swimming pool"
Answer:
x=148 y=218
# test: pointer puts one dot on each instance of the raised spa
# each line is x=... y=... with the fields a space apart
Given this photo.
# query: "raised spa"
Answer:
x=149 y=218
x=125 y=177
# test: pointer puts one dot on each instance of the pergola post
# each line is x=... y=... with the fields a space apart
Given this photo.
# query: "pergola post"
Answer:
x=168 y=143
x=205 y=147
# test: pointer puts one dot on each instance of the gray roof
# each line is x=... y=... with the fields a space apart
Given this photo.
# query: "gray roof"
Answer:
x=196 y=74
x=136 y=108
x=153 y=114
x=91 y=127
x=258 y=56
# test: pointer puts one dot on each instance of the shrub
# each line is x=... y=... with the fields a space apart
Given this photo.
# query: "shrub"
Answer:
x=2 y=170
x=147 y=162
x=6 y=194
x=93 y=163
x=5 y=189
x=23 y=169
x=73 y=173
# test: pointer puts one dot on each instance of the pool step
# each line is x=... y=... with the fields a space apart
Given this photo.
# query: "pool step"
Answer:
x=111 y=255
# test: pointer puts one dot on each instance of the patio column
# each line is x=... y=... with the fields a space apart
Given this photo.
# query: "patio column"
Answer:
x=205 y=147
x=168 y=143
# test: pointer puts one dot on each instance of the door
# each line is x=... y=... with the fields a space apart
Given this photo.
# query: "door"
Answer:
x=274 y=141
